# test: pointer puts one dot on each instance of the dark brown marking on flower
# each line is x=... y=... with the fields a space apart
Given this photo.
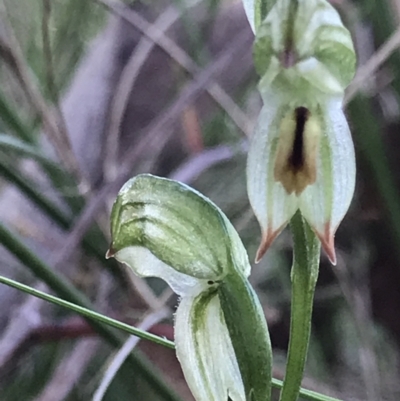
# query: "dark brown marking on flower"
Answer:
x=289 y=57
x=110 y=253
x=296 y=159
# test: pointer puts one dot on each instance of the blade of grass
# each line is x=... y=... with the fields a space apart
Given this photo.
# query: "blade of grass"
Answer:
x=66 y=290
x=381 y=14
x=90 y=314
x=11 y=174
x=93 y=242
x=27 y=150
x=370 y=143
x=61 y=180
x=70 y=40
x=13 y=122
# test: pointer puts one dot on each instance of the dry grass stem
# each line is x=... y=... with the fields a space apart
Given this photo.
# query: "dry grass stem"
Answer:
x=182 y=58
x=69 y=371
x=152 y=141
x=368 y=70
x=147 y=323
x=125 y=87
x=26 y=318
x=13 y=57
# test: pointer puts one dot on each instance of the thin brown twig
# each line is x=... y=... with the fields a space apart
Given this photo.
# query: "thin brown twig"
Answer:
x=84 y=185
x=183 y=59
x=154 y=139
x=366 y=71
x=147 y=323
x=47 y=51
x=355 y=290
x=26 y=318
x=395 y=4
x=191 y=169
x=124 y=89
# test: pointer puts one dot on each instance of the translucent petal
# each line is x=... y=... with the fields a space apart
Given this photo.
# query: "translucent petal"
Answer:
x=205 y=351
x=319 y=76
x=325 y=203
x=256 y=11
x=319 y=31
x=272 y=205
x=145 y=264
x=249 y=10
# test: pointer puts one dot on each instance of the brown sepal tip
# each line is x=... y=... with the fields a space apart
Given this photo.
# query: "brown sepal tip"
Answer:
x=110 y=253
x=328 y=243
x=266 y=242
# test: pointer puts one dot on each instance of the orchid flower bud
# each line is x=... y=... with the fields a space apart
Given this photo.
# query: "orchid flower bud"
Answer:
x=165 y=229
x=301 y=154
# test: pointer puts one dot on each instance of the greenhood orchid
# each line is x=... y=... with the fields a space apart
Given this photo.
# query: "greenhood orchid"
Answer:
x=301 y=155
x=165 y=229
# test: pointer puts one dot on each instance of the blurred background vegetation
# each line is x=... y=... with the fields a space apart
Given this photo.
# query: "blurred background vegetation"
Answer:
x=95 y=91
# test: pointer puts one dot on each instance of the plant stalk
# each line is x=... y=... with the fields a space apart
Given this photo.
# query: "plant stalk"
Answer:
x=304 y=276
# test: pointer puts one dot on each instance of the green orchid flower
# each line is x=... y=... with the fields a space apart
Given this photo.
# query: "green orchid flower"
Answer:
x=161 y=228
x=302 y=155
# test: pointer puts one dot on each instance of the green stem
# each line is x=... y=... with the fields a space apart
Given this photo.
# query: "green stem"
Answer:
x=90 y=314
x=304 y=277
x=306 y=394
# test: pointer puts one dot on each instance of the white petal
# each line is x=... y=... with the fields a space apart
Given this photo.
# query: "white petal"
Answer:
x=205 y=351
x=249 y=9
x=319 y=32
x=145 y=264
x=272 y=205
x=325 y=203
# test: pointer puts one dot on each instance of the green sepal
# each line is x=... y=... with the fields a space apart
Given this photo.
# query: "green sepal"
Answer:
x=248 y=331
x=304 y=48
x=178 y=225
x=256 y=11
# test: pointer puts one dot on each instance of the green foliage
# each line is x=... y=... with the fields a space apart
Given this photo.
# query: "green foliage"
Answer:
x=72 y=24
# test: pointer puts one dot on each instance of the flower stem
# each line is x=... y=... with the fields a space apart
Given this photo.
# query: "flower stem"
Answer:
x=304 y=277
